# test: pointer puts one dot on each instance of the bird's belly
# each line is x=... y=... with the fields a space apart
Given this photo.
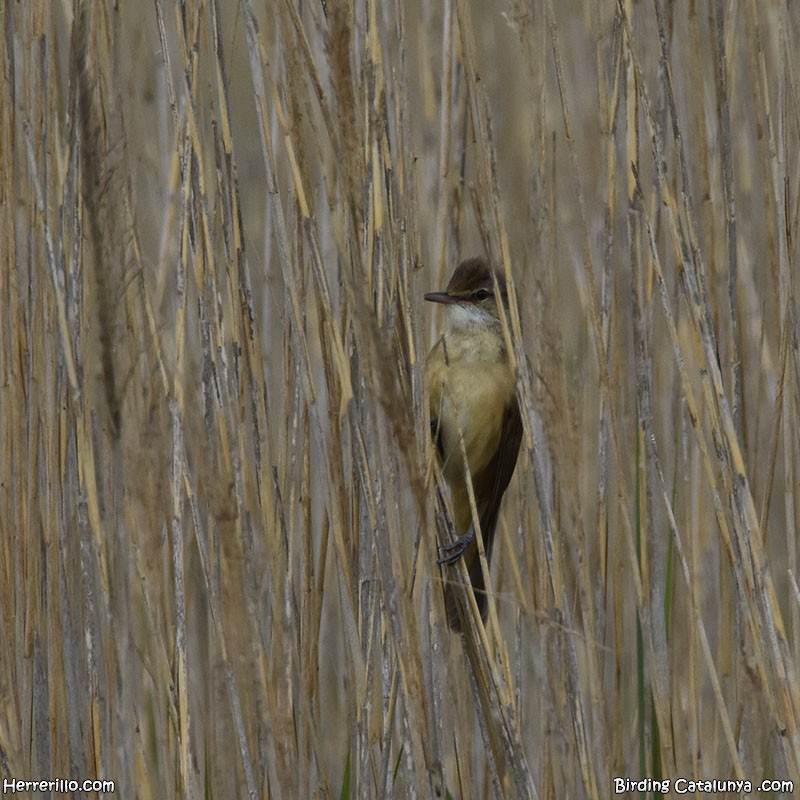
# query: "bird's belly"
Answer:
x=473 y=400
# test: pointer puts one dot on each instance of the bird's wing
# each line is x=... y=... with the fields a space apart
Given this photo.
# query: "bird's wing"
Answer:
x=502 y=466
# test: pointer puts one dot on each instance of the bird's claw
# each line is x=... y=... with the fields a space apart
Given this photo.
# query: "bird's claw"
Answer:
x=454 y=551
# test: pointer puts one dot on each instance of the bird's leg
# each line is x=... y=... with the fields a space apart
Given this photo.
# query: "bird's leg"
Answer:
x=454 y=551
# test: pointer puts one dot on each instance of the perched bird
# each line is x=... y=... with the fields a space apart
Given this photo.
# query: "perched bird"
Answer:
x=472 y=398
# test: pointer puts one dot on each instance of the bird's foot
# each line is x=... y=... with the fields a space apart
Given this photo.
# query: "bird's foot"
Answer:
x=451 y=553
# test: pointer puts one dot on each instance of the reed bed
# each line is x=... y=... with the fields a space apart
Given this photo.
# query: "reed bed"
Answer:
x=219 y=523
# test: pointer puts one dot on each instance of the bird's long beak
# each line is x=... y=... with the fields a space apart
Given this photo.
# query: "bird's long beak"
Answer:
x=442 y=297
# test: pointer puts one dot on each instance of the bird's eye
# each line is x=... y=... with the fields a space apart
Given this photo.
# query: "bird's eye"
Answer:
x=482 y=294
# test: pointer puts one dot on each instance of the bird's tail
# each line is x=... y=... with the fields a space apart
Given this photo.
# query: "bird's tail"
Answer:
x=453 y=590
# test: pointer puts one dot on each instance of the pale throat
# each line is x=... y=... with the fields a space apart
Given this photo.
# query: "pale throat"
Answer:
x=473 y=334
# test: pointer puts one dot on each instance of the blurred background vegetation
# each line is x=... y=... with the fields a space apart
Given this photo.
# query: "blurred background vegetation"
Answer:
x=218 y=516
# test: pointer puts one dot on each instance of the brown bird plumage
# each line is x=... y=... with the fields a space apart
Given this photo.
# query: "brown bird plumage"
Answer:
x=472 y=395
